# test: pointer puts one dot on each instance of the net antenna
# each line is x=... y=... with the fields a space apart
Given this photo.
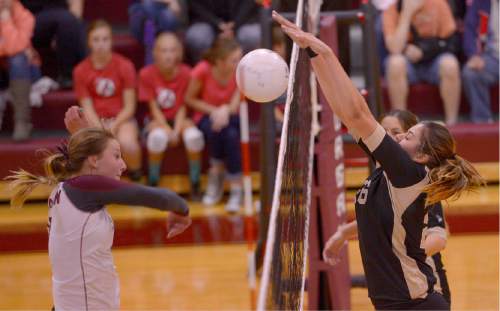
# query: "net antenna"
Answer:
x=283 y=278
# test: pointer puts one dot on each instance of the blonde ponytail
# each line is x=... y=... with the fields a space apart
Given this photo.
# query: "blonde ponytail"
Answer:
x=59 y=166
x=22 y=182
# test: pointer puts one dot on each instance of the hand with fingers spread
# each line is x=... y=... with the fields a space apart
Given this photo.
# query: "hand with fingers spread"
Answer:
x=302 y=38
x=333 y=247
x=176 y=224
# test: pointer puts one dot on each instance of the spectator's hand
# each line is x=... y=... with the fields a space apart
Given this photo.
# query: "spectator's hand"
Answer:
x=476 y=62
x=75 y=119
x=331 y=252
x=176 y=224
x=220 y=118
x=414 y=53
x=410 y=7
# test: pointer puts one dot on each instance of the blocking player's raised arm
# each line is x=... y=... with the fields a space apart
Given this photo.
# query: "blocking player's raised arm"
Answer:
x=343 y=97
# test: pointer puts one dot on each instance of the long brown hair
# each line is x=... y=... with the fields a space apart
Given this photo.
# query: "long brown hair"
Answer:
x=221 y=48
x=60 y=165
x=450 y=174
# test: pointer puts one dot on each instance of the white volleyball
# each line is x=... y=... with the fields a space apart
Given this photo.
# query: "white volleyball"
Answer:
x=262 y=75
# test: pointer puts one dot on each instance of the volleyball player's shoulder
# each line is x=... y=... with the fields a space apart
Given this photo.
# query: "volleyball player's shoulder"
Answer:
x=94 y=183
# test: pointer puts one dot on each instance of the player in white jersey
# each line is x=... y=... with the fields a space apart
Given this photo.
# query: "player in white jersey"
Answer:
x=86 y=174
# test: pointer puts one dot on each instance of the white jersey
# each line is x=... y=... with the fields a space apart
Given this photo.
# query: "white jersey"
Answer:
x=83 y=273
x=81 y=236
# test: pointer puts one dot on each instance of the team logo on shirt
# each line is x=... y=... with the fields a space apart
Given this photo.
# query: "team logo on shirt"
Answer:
x=165 y=98
x=105 y=87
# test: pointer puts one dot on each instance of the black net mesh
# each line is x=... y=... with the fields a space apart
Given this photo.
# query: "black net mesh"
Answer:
x=284 y=290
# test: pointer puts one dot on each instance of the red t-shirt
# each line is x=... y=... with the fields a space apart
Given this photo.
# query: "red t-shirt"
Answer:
x=212 y=92
x=104 y=86
x=168 y=94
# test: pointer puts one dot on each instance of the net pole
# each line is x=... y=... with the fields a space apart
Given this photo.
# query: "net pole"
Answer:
x=261 y=302
x=267 y=127
x=247 y=197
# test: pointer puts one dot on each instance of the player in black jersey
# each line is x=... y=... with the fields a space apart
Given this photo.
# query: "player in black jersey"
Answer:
x=420 y=169
x=396 y=122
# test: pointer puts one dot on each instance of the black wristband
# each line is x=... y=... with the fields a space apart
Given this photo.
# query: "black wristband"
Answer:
x=310 y=52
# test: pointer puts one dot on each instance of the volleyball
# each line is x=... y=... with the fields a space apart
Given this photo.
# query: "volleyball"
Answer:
x=262 y=75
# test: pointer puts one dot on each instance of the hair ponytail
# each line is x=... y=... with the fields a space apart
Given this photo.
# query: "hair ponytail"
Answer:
x=22 y=182
x=451 y=179
x=450 y=175
x=61 y=165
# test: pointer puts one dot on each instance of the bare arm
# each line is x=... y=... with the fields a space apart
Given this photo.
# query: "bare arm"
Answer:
x=129 y=105
x=180 y=117
x=90 y=113
x=192 y=99
x=396 y=42
x=343 y=97
x=349 y=230
x=234 y=104
x=156 y=113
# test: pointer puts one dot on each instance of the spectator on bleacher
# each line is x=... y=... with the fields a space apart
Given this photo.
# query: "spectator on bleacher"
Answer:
x=16 y=29
x=420 y=36
x=213 y=95
x=229 y=19
x=58 y=22
x=104 y=84
x=163 y=86
x=481 y=70
x=150 y=17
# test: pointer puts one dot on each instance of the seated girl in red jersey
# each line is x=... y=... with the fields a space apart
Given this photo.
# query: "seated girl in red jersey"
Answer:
x=104 y=84
x=163 y=86
x=86 y=174
x=213 y=95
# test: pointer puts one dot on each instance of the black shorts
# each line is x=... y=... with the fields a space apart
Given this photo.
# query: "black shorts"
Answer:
x=433 y=301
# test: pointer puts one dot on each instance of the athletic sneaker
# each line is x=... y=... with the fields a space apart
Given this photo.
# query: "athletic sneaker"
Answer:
x=235 y=200
x=214 y=188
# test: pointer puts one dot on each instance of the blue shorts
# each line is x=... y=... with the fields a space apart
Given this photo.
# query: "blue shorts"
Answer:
x=427 y=72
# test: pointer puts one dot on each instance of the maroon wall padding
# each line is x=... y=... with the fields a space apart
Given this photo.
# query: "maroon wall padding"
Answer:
x=114 y=11
x=477 y=142
x=50 y=116
x=424 y=100
x=327 y=210
x=129 y=47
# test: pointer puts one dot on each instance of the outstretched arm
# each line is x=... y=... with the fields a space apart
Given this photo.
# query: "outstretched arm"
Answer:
x=343 y=97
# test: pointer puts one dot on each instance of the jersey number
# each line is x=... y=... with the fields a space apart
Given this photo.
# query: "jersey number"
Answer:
x=363 y=193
